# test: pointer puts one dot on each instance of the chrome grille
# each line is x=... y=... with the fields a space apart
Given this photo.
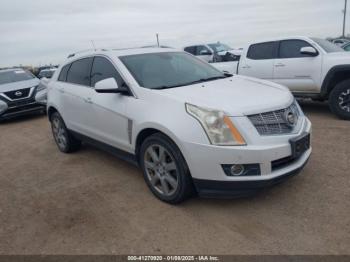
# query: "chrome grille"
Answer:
x=275 y=122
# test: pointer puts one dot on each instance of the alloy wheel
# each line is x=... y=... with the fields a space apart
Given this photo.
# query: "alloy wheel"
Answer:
x=59 y=133
x=344 y=100
x=161 y=170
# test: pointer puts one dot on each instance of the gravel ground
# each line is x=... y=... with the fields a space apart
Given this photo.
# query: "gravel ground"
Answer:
x=90 y=202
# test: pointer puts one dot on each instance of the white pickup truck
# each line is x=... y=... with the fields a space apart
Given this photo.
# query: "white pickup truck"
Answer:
x=309 y=67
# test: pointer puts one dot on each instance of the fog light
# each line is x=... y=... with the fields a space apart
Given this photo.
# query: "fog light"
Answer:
x=241 y=169
x=236 y=170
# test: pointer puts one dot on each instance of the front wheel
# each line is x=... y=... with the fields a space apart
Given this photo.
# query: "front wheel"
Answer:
x=339 y=100
x=165 y=170
x=65 y=141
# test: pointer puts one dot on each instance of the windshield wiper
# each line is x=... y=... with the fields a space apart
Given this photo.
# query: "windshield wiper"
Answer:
x=165 y=87
x=208 y=79
x=194 y=82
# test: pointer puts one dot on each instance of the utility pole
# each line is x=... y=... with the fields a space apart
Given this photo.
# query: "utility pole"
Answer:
x=93 y=45
x=344 y=19
x=157 y=39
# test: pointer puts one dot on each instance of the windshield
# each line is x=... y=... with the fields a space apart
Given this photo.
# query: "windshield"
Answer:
x=327 y=46
x=14 y=76
x=46 y=73
x=169 y=69
x=218 y=47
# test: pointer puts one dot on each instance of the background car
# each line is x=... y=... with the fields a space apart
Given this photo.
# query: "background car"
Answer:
x=346 y=47
x=214 y=52
x=48 y=73
x=18 y=91
x=310 y=67
x=340 y=41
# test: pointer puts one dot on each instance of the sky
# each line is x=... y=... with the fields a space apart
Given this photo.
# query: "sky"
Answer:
x=39 y=32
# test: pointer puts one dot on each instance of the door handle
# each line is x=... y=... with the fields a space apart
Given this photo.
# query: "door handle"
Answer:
x=246 y=67
x=88 y=100
x=280 y=65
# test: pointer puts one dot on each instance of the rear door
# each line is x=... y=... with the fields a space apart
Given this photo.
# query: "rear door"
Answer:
x=299 y=72
x=259 y=61
x=77 y=92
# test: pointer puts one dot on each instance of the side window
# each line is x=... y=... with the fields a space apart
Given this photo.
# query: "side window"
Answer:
x=347 y=48
x=261 y=51
x=79 y=72
x=103 y=69
x=202 y=48
x=291 y=48
x=63 y=73
x=191 y=50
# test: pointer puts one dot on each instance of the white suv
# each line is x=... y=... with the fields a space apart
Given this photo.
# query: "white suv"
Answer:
x=190 y=127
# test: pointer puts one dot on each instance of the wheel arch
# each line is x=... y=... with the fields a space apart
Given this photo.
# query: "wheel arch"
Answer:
x=50 y=111
x=334 y=76
x=145 y=132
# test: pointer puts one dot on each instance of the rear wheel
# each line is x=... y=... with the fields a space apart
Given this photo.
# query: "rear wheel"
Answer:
x=339 y=100
x=165 y=170
x=65 y=141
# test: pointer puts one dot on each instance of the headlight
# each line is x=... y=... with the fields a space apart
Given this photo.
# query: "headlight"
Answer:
x=218 y=127
x=40 y=87
x=3 y=106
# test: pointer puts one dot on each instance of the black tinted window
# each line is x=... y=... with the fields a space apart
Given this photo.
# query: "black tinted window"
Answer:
x=79 y=72
x=291 y=48
x=63 y=73
x=103 y=69
x=202 y=48
x=266 y=50
x=191 y=50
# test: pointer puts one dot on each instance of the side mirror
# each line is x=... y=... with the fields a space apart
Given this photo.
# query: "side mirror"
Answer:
x=308 y=50
x=109 y=85
x=205 y=52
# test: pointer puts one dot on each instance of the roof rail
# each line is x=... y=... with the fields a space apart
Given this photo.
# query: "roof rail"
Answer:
x=84 y=51
x=137 y=47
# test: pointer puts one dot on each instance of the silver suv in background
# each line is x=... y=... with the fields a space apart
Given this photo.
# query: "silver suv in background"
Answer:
x=18 y=92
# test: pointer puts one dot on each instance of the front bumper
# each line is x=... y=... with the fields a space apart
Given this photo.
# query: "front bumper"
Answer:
x=236 y=189
x=272 y=154
x=22 y=109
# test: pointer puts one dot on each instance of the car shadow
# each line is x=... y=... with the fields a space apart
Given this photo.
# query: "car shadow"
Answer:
x=22 y=119
x=316 y=108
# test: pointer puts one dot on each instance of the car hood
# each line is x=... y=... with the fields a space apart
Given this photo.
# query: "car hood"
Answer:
x=236 y=96
x=19 y=85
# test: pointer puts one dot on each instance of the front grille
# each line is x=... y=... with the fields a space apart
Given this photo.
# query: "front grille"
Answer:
x=18 y=94
x=22 y=108
x=20 y=103
x=275 y=122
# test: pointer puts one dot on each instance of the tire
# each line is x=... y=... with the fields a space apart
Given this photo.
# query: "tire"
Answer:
x=65 y=141
x=165 y=170
x=339 y=100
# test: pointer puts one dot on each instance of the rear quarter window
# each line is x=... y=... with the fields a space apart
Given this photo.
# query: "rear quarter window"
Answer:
x=63 y=74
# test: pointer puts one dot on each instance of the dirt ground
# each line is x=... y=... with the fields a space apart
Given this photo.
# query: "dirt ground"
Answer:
x=90 y=202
